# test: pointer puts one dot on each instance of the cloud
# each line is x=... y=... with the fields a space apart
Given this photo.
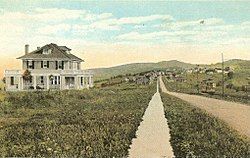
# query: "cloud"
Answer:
x=11 y=30
x=51 y=15
x=154 y=35
x=94 y=17
x=53 y=29
x=143 y=19
x=74 y=24
x=57 y=14
x=107 y=24
x=177 y=25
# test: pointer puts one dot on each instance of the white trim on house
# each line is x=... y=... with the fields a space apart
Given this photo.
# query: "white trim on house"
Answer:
x=80 y=79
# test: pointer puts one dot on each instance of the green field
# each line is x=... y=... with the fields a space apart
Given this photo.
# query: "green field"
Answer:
x=101 y=122
x=88 y=123
x=194 y=133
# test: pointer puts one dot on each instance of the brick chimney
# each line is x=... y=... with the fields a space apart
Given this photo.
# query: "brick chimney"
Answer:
x=26 y=49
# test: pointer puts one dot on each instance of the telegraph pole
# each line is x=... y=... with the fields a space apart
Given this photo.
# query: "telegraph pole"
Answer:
x=197 y=78
x=222 y=80
x=202 y=22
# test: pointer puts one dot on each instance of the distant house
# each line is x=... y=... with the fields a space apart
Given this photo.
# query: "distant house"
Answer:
x=48 y=67
x=126 y=79
x=180 y=79
x=190 y=71
x=210 y=71
x=142 y=80
x=208 y=85
x=218 y=70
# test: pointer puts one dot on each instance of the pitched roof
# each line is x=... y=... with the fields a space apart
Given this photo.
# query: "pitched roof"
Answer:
x=57 y=52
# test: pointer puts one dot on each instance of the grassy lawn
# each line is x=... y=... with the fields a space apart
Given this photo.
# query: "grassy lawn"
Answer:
x=190 y=88
x=89 y=123
x=196 y=133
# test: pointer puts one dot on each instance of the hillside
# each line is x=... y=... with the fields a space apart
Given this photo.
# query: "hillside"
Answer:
x=236 y=64
x=103 y=73
x=241 y=67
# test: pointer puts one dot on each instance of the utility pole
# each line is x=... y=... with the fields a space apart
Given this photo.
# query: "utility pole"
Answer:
x=222 y=80
x=197 y=78
x=202 y=22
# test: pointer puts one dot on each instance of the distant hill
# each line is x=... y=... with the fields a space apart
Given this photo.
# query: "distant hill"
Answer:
x=236 y=64
x=241 y=66
x=241 y=69
x=103 y=73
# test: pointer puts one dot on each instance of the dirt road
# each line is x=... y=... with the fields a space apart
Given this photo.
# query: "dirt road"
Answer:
x=235 y=114
x=153 y=133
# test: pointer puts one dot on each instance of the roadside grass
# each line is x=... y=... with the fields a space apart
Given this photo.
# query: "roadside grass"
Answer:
x=190 y=88
x=2 y=95
x=88 y=123
x=194 y=133
x=1 y=85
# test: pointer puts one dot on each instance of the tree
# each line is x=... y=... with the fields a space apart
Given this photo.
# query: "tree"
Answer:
x=27 y=75
x=4 y=80
x=51 y=78
x=230 y=74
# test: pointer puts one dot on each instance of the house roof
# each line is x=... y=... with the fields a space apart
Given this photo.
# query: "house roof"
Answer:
x=57 y=52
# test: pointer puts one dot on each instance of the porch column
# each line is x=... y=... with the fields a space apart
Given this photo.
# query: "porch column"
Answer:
x=34 y=83
x=76 y=82
x=47 y=82
x=83 y=82
x=91 y=81
x=20 y=83
x=62 y=82
x=7 y=83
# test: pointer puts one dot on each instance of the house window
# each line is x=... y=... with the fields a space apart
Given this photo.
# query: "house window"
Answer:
x=70 y=65
x=74 y=65
x=56 y=80
x=60 y=64
x=11 y=81
x=81 y=80
x=78 y=66
x=45 y=64
x=42 y=80
x=30 y=64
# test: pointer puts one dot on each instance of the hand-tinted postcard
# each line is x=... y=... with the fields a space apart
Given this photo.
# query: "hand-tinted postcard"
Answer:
x=137 y=79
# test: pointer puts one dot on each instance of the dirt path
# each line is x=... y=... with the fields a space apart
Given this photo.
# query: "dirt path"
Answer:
x=235 y=114
x=153 y=133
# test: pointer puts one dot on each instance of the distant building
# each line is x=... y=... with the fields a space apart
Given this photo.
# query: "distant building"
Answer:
x=210 y=71
x=218 y=70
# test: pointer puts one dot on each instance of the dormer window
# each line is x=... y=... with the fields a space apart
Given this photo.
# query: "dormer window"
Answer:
x=46 y=51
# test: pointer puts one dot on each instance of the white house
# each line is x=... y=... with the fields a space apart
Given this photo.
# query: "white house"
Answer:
x=48 y=67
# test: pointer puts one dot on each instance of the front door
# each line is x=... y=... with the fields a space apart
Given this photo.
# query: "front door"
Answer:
x=70 y=82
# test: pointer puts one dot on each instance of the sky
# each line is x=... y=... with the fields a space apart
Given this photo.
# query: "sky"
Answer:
x=112 y=33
